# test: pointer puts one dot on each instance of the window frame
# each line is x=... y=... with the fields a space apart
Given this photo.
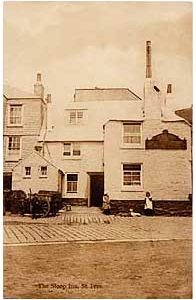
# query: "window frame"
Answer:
x=11 y=156
x=74 y=147
x=40 y=171
x=129 y=144
x=72 y=190
x=25 y=172
x=130 y=187
x=9 y=116
x=77 y=120
x=65 y=155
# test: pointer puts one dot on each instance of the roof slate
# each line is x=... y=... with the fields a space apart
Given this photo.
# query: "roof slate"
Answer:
x=104 y=94
x=13 y=92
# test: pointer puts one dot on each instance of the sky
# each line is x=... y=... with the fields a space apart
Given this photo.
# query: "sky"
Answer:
x=102 y=44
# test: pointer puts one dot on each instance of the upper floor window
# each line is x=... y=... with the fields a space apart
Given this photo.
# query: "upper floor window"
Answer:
x=43 y=171
x=71 y=149
x=76 y=149
x=14 y=143
x=132 y=174
x=76 y=117
x=67 y=149
x=132 y=133
x=27 y=172
x=15 y=115
x=14 y=146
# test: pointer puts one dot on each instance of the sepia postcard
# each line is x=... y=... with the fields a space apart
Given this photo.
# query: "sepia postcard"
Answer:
x=97 y=144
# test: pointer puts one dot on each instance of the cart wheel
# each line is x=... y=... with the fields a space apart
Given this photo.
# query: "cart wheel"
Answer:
x=44 y=208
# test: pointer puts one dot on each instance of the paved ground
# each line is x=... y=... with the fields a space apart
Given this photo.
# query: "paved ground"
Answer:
x=145 y=270
x=141 y=257
x=24 y=231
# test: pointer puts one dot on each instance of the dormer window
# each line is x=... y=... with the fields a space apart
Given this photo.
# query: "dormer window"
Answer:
x=76 y=117
x=15 y=115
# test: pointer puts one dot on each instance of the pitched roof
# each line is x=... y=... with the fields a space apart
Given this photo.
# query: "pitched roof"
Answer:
x=34 y=152
x=185 y=113
x=104 y=94
x=13 y=92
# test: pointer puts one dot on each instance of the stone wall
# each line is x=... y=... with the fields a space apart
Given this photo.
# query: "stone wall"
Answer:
x=161 y=208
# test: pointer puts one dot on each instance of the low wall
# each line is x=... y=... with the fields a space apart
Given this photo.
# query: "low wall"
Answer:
x=161 y=208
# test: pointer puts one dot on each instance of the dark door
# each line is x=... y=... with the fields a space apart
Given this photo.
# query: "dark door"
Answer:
x=7 y=181
x=96 y=190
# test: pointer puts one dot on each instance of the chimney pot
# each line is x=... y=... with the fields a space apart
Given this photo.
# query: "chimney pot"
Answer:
x=38 y=87
x=169 y=88
x=39 y=76
x=48 y=98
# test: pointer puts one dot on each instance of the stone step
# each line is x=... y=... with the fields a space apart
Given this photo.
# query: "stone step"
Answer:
x=83 y=209
x=84 y=218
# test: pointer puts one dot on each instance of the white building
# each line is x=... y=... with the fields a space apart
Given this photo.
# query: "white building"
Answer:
x=111 y=140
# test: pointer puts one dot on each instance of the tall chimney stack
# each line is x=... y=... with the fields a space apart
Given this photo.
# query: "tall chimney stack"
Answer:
x=148 y=60
x=38 y=87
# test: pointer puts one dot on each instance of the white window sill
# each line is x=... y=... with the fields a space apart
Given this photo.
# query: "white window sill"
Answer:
x=14 y=125
x=12 y=159
x=132 y=146
x=132 y=189
x=71 y=158
x=27 y=177
x=43 y=176
x=71 y=192
x=77 y=124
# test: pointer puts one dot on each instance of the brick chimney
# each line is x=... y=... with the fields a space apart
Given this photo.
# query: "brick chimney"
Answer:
x=148 y=60
x=38 y=87
x=152 y=94
x=169 y=88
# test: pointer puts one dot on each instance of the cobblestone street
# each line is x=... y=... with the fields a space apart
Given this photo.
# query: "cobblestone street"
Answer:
x=47 y=258
x=24 y=231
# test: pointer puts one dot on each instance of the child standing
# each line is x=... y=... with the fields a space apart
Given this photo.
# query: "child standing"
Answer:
x=148 y=207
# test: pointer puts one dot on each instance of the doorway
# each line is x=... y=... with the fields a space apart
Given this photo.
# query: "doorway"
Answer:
x=7 y=181
x=96 y=189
